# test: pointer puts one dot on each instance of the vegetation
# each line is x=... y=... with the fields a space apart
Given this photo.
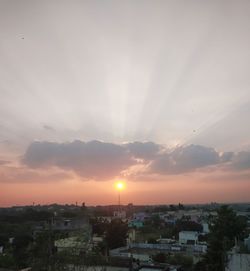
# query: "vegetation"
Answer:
x=224 y=230
x=116 y=234
x=175 y=259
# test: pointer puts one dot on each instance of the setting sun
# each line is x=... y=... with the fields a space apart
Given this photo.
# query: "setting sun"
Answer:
x=119 y=185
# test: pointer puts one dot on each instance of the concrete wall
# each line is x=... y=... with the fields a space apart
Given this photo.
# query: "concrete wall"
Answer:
x=238 y=262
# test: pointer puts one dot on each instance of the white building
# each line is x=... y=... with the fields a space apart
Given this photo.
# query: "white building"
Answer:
x=188 y=237
x=205 y=227
x=75 y=245
x=238 y=262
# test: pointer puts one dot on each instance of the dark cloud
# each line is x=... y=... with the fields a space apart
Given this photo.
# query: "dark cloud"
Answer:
x=184 y=159
x=102 y=161
x=93 y=160
x=144 y=150
x=226 y=157
x=241 y=161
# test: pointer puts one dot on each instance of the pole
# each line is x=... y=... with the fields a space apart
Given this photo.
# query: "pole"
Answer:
x=119 y=201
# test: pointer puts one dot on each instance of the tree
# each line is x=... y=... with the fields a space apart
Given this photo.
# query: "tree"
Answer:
x=116 y=234
x=223 y=230
x=180 y=206
x=99 y=226
x=152 y=241
x=156 y=221
x=200 y=266
x=160 y=258
x=176 y=259
x=21 y=250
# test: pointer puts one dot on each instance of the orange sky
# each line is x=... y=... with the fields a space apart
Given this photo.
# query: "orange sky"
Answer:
x=93 y=193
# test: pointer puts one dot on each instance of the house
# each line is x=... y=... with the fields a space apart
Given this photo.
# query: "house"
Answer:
x=169 y=219
x=120 y=214
x=141 y=216
x=74 y=245
x=188 y=237
x=70 y=224
x=135 y=224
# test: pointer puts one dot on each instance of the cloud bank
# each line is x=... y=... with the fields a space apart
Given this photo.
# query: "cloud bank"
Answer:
x=98 y=160
x=185 y=159
x=90 y=160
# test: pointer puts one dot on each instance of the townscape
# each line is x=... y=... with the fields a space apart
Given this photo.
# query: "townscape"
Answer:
x=124 y=135
x=125 y=237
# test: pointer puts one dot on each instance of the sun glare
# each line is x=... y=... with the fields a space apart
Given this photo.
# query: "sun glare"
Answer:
x=119 y=185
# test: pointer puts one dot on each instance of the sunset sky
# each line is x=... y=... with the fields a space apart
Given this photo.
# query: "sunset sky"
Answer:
x=154 y=93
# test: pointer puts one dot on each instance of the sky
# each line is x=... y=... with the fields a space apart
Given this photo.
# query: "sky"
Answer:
x=155 y=93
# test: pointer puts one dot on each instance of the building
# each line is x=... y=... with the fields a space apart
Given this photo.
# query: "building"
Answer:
x=73 y=245
x=141 y=216
x=120 y=214
x=131 y=237
x=135 y=224
x=188 y=237
x=247 y=242
x=69 y=224
x=166 y=241
x=205 y=227
x=238 y=262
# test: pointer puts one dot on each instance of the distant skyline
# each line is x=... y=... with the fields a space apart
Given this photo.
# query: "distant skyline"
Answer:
x=155 y=93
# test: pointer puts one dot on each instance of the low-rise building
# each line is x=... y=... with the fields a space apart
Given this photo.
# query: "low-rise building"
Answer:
x=69 y=224
x=205 y=228
x=188 y=237
x=238 y=262
x=135 y=224
x=166 y=241
x=131 y=236
x=247 y=242
x=73 y=245
x=141 y=216
x=120 y=214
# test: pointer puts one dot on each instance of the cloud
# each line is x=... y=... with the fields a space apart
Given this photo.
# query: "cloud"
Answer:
x=226 y=157
x=184 y=159
x=144 y=150
x=241 y=161
x=104 y=161
x=93 y=160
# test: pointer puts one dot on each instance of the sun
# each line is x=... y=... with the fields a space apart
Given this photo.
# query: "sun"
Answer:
x=119 y=185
